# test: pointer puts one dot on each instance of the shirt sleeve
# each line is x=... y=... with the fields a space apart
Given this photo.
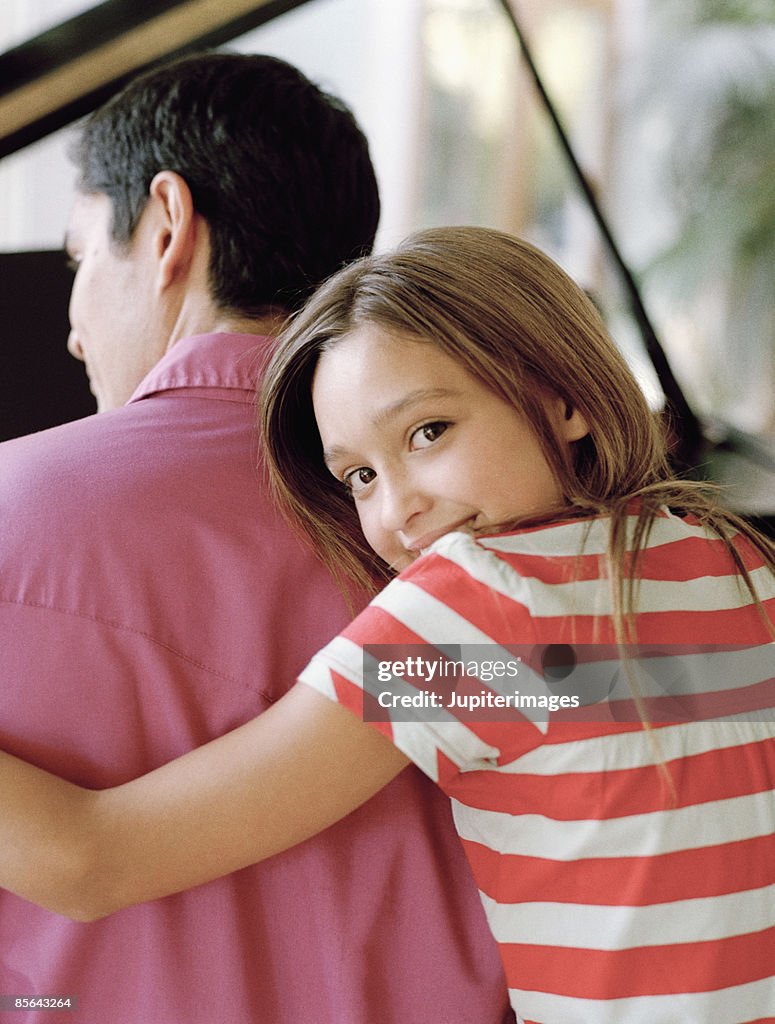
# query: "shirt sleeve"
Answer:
x=423 y=638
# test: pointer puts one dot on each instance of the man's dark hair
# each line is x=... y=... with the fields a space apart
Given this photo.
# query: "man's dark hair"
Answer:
x=278 y=168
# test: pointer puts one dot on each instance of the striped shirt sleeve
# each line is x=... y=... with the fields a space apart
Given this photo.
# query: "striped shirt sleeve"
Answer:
x=627 y=874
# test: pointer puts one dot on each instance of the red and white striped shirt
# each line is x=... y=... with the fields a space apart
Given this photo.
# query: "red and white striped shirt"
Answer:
x=613 y=900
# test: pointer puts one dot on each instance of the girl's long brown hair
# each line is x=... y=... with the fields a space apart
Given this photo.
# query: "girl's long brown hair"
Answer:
x=519 y=324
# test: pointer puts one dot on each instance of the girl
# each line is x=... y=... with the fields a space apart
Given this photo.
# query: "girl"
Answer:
x=456 y=408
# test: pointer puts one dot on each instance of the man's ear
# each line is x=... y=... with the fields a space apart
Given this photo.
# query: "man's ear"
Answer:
x=175 y=233
x=572 y=423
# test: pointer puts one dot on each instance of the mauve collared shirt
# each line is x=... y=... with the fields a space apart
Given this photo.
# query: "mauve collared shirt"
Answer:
x=151 y=599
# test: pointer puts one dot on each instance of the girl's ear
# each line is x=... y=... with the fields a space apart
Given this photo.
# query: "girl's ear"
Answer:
x=572 y=423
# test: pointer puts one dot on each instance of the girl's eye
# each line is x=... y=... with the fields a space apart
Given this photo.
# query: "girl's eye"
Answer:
x=357 y=479
x=427 y=434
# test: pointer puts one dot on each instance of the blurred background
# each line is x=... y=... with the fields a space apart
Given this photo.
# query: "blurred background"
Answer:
x=668 y=105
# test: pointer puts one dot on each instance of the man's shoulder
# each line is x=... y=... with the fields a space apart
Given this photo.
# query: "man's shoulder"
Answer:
x=66 y=463
x=127 y=487
x=134 y=510
x=161 y=437
x=59 y=454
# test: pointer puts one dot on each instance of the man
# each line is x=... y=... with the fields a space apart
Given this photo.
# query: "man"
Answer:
x=150 y=599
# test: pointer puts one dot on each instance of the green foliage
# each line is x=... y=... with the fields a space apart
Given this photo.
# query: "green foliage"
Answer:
x=705 y=100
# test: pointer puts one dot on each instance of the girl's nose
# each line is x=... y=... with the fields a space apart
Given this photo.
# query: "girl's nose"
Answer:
x=402 y=499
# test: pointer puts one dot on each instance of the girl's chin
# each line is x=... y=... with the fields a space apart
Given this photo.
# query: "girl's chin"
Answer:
x=403 y=560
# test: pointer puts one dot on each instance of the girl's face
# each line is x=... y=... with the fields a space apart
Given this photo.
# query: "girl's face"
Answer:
x=424 y=447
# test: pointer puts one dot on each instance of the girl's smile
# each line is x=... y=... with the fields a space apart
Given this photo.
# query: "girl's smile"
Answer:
x=423 y=446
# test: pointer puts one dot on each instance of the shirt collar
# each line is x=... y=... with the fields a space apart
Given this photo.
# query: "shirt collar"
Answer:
x=207 y=361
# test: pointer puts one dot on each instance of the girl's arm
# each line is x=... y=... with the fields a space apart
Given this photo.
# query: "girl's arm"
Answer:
x=297 y=768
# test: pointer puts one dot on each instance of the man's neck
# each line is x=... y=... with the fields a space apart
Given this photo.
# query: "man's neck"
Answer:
x=268 y=325
x=219 y=322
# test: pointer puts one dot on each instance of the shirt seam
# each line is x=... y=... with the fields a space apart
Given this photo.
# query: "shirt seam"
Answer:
x=132 y=630
x=242 y=396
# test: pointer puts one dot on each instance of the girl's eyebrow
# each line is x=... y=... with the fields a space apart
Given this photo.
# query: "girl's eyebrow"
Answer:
x=390 y=411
